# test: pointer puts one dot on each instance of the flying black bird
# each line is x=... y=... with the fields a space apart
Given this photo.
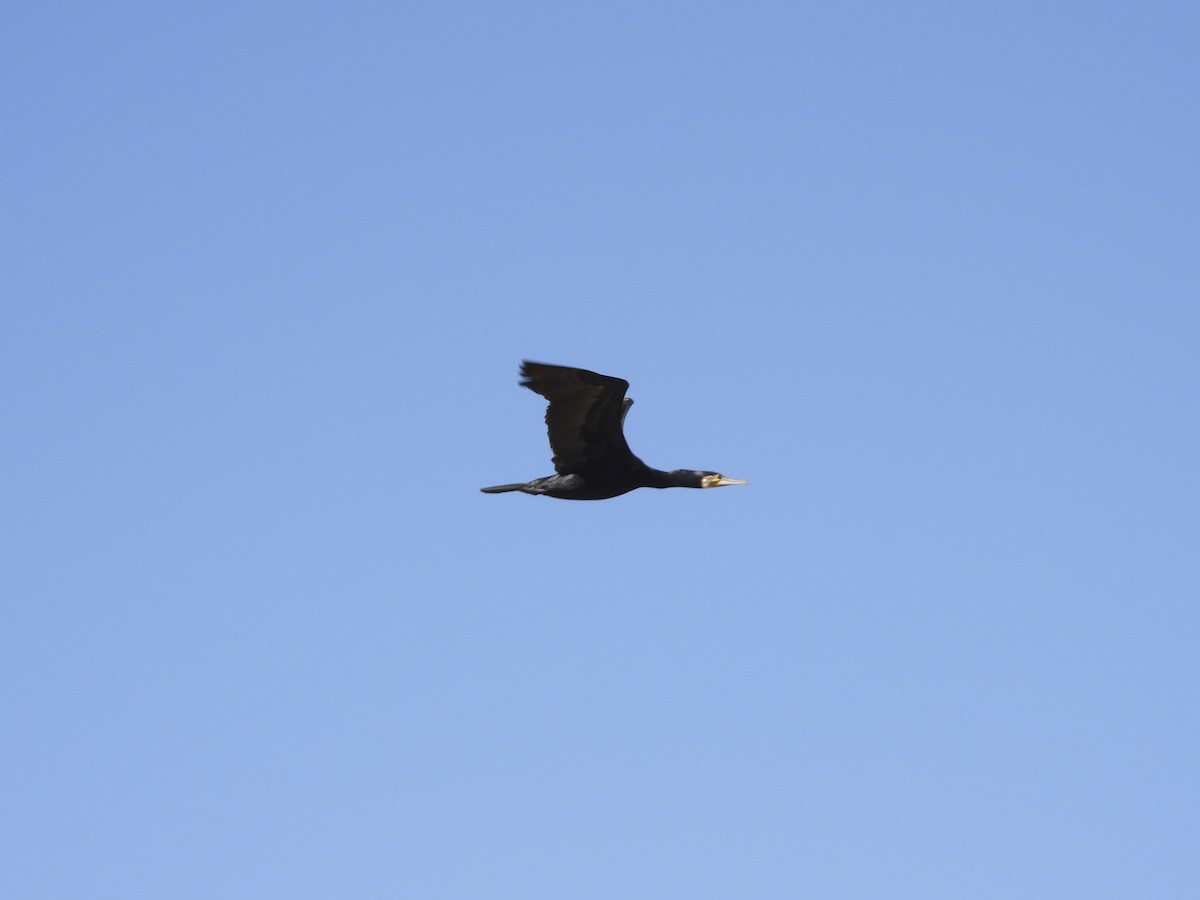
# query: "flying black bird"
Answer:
x=592 y=460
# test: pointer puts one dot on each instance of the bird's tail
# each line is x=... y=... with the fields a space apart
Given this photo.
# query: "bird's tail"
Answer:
x=502 y=488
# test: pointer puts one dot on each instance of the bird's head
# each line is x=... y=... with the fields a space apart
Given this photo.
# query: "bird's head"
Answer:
x=689 y=478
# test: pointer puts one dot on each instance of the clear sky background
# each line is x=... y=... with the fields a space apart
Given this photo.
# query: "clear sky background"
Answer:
x=928 y=275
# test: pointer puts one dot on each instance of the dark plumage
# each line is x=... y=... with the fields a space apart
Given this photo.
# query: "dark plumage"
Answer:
x=584 y=421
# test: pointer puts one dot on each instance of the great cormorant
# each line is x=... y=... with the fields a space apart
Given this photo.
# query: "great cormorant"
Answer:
x=592 y=460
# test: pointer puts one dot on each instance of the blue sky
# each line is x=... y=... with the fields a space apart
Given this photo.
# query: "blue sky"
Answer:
x=925 y=274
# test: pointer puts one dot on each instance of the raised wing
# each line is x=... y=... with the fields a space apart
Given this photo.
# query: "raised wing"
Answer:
x=584 y=417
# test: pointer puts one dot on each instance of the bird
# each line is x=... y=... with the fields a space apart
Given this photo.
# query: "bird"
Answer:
x=592 y=461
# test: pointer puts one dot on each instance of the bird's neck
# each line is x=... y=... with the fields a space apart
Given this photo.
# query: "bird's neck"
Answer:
x=657 y=478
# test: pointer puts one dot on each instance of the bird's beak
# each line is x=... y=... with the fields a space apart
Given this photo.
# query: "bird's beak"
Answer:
x=721 y=481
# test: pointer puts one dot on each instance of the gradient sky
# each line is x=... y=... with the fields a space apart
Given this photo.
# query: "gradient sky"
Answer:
x=928 y=275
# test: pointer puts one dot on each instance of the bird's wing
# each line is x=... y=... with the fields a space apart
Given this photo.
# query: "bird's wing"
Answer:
x=584 y=416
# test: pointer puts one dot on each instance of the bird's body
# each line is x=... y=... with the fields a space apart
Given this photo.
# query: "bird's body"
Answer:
x=591 y=458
